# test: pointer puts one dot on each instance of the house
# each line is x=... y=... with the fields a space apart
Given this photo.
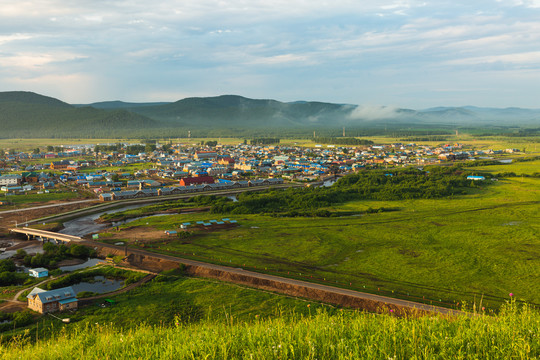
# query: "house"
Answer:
x=51 y=301
x=105 y=197
x=38 y=272
x=10 y=179
x=205 y=155
x=60 y=165
x=196 y=180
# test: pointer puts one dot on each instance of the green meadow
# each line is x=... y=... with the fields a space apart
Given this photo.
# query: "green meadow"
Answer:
x=469 y=248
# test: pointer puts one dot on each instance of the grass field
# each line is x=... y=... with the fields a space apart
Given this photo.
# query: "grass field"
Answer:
x=530 y=144
x=51 y=196
x=469 y=247
x=519 y=168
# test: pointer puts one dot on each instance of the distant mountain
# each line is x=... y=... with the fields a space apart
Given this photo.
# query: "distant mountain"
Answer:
x=25 y=114
x=119 y=104
x=236 y=111
x=498 y=116
x=26 y=97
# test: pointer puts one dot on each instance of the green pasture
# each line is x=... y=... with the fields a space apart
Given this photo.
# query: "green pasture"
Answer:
x=470 y=247
x=519 y=168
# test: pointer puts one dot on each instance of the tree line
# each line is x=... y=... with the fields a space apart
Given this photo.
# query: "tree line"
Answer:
x=410 y=183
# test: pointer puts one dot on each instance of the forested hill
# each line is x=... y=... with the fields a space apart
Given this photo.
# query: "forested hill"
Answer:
x=26 y=97
x=24 y=114
x=228 y=111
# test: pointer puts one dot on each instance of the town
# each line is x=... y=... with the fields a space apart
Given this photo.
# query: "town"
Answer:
x=124 y=170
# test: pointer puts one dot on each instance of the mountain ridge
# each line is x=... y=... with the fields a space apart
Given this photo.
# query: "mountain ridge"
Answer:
x=26 y=113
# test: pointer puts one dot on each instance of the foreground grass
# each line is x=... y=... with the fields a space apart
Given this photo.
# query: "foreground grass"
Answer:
x=513 y=334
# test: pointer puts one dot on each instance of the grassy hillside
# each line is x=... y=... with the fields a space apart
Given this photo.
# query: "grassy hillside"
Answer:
x=513 y=334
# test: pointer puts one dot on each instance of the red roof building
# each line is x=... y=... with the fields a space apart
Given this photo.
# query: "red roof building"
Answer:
x=196 y=180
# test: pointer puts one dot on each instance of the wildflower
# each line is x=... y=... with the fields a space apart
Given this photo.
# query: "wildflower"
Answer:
x=511 y=294
x=308 y=305
x=483 y=308
x=391 y=310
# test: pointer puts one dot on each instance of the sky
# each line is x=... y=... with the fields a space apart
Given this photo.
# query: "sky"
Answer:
x=406 y=53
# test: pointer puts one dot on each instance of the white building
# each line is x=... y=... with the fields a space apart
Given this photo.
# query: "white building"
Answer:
x=11 y=179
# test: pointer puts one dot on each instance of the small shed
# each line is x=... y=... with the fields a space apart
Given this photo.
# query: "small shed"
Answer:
x=475 y=178
x=38 y=272
x=170 y=232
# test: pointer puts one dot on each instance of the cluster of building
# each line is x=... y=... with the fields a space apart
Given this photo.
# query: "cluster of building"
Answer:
x=200 y=168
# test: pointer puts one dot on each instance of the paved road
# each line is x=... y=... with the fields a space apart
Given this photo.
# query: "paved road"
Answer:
x=47 y=206
x=283 y=280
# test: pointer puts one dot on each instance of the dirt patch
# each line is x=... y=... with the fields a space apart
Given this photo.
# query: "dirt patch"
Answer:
x=12 y=306
x=137 y=234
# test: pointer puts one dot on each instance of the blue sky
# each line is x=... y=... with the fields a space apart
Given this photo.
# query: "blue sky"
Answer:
x=405 y=53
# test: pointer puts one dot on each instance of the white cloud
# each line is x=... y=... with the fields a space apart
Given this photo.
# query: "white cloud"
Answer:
x=526 y=58
x=4 y=39
x=316 y=46
x=373 y=112
x=32 y=61
x=281 y=59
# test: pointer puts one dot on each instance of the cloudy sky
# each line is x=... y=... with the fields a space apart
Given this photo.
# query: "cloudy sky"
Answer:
x=405 y=53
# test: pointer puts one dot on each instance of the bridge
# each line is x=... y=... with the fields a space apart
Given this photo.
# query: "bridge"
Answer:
x=46 y=235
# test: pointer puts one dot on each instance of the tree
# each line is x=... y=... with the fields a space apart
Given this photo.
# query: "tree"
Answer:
x=79 y=251
x=7 y=265
x=37 y=151
x=50 y=148
x=7 y=278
